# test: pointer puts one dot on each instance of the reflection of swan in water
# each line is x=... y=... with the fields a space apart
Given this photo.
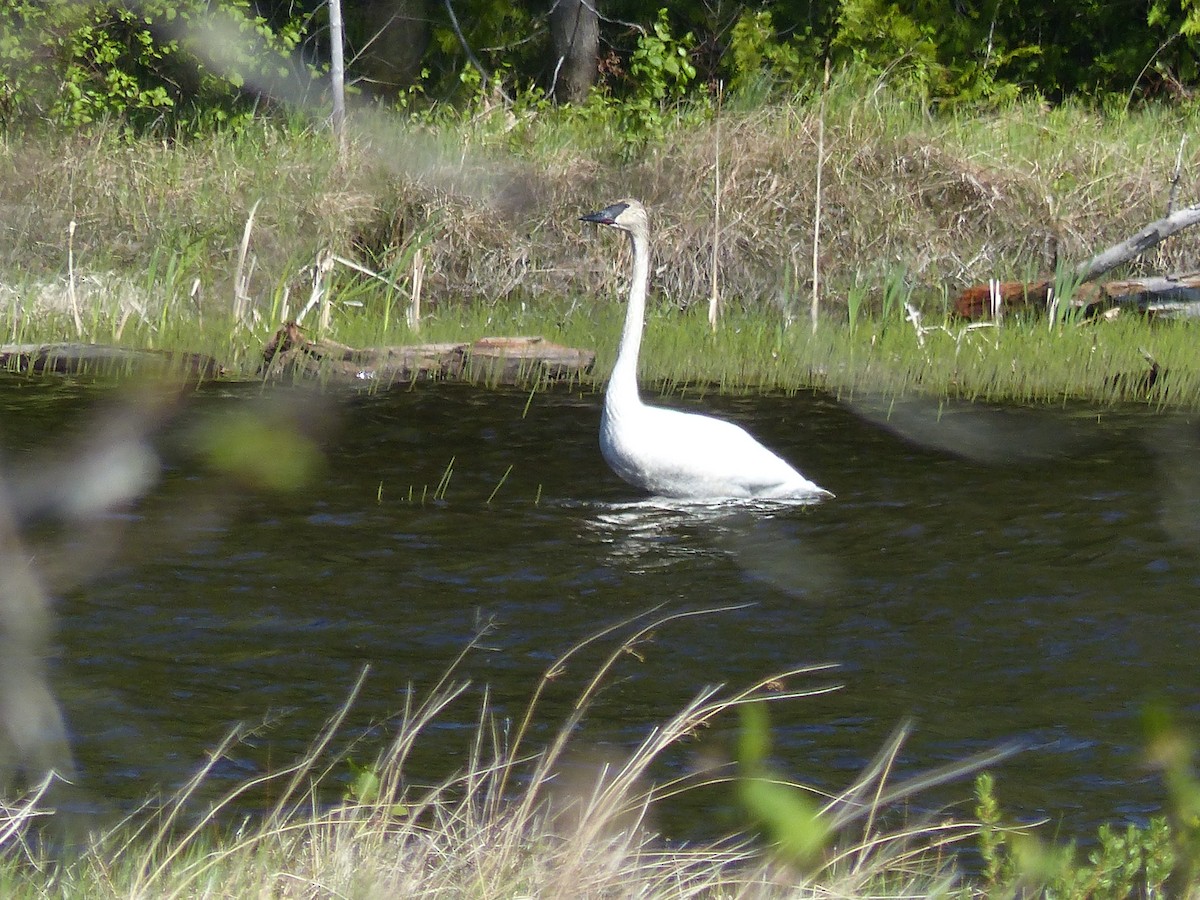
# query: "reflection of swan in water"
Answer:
x=758 y=536
x=647 y=534
x=666 y=451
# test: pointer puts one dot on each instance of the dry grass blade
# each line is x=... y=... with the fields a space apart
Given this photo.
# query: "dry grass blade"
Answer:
x=16 y=819
x=508 y=824
x=241 y=278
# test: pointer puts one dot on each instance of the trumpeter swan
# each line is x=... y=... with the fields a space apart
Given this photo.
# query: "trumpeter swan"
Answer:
x=665 y=451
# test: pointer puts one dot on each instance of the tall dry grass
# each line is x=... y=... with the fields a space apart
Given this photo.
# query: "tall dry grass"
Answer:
x=494 y=198
x=517 y=820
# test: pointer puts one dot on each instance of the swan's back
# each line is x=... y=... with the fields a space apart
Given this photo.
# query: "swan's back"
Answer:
x=678 y=454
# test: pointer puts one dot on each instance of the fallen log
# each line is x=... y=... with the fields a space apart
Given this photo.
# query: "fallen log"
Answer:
x=1163 y=295
x=499 y=360
x=102 y=359
x=1129 y=248
x=1166 y=297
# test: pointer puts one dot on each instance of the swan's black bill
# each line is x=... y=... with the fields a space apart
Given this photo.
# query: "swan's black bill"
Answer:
x=606 y=216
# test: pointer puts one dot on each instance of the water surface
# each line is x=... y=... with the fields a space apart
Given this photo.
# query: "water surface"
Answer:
x=992 y=575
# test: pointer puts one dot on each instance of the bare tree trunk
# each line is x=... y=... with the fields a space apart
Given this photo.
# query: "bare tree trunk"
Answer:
x=337 y=76
x=575 y=32
x=1138 y=244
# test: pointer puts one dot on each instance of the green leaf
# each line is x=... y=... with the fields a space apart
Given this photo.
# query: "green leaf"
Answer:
x=788 y=817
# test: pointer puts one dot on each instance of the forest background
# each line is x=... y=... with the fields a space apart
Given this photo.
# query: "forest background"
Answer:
x=154 y=63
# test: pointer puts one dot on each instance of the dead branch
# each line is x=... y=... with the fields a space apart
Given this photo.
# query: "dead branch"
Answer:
x=977 y=300
x=1123 y=252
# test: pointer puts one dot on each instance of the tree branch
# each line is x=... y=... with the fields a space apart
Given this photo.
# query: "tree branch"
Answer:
x=487 y=78
x=1152 y=234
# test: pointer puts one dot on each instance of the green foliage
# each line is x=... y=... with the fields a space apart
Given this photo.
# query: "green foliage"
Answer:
x=73 y=64
x=787 y=816
x=1172 y=751
x=880 y=36
x=935 y=53
x=660 y=74
x=499 y=36
x=1182 y=17
x=366 y=789
x=992 y=841
x=1178 y=23
x=759 y=55
x=1137 y=861
x=633 y=106
x=660 y=66
x=206 y=62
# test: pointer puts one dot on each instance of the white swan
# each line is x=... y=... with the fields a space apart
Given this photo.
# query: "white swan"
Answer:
x=665 y=451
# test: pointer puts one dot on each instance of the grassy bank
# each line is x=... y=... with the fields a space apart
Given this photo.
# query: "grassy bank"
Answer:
x=483 y=209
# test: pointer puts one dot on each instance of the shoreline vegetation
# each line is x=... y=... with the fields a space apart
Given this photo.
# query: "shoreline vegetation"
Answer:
x=207 y=244
x=523 y=819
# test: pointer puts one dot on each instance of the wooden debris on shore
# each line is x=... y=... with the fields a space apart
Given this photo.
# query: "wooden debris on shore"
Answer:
x=102 y=359
x=1168 y=296
x=1174 y=296
x=499 y=360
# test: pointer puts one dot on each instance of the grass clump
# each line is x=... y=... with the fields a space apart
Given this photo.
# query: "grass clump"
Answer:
x=519 y=819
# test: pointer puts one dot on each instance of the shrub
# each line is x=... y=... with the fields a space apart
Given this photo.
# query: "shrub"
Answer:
x=159 y=61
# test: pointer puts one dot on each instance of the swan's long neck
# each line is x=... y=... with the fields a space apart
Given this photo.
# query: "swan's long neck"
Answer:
x=623 y=385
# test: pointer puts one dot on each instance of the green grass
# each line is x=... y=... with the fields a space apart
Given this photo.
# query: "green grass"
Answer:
x=485 y=207
x=1024 y=359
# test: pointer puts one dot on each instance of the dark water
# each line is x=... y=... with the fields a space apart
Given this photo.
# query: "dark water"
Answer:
x=994 y=575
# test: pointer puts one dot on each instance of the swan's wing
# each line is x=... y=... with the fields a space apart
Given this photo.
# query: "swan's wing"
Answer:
x=681 y=454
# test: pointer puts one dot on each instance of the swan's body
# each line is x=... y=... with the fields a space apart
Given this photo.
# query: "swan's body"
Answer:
x=665 y=451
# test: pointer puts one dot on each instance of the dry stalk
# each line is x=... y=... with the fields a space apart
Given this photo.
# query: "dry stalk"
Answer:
x=713 y=297
x=318 y=296
x=413 y=315
x=241 y=278
x=1176 y=175
x=71 y=279
x=816 y=253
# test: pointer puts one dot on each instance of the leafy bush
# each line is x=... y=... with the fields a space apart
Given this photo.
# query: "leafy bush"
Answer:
x=147 y=63
x=1136 y=861
x=760 y=58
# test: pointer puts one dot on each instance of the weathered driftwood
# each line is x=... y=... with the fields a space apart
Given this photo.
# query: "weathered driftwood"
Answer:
x=1123 y=252
x=1164 y=296
x=100 y=359
x=505 y=360
x=1161 y=295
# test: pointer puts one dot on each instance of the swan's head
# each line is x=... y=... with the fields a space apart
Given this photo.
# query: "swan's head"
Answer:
x=627 y=215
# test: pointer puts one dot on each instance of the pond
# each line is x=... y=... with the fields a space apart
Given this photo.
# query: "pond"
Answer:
x=994 y=575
